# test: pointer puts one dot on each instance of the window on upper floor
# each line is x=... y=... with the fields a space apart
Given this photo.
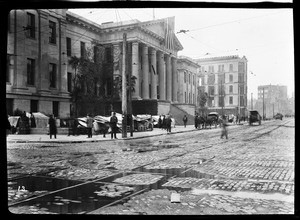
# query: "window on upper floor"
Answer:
x=184 y=77
x=82 y=49
x=69 y=47
x=230 y=100
x=30 y=25
x=211 y=79
x=230 y=78
x=230 y=89
x=52 y=75
x=30 y=71
x=52 y=33
x=230 y=67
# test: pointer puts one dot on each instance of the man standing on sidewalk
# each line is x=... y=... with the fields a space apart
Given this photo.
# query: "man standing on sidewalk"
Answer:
x=89 y=123
x=185 y=119
x=113 y=125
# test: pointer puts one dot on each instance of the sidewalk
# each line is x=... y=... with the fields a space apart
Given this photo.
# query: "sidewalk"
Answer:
x=43 y=138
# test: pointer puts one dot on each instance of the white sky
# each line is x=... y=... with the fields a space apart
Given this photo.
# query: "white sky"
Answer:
x=264 y=36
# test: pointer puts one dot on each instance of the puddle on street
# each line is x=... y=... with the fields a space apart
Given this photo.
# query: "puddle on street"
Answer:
x=87 y=197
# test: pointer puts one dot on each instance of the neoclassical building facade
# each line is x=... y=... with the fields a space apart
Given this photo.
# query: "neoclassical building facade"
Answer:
x=41 y=43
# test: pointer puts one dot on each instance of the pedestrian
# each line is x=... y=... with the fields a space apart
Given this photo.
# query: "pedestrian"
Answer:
x=52 y=126
x=89 y=124
x=185 y=119
x=71 y=126
x=224 y=127
x=113 y=125
x=196 y=121
x=159 y=122
x=168 y=121
x=32 y=120
x=164 y=122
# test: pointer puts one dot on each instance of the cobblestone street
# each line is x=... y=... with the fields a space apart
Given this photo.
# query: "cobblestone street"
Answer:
x=250 y=173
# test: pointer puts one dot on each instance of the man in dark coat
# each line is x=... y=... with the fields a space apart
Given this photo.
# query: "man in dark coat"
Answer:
x=168 y=121
x=52 y=126
x=196 y=121
x=185 y=119
x=113 y=125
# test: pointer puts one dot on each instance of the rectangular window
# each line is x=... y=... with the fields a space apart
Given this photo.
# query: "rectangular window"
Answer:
x=231 y=89
x=52 y=75
x=230 y=78
x=211 y=69
x=189 y=78
x=211 y=90
x=69 y=50
x=34 y=105
x=185 y=98
x=52 y=33
x=221 y=78
x=9 y=106
x=185 y=77
x=96 y=54
x=69 y=79
x=230 y=67
x=30 y=71
x=30 y=25
x=241 y=78
x=230 y=100
x=241 y=67
x=108 y=55
x=211 y=79
x=221 y=68
x=193 y=79
x=82 y=49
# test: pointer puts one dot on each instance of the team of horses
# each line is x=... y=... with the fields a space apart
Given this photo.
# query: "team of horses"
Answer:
x=203 y=122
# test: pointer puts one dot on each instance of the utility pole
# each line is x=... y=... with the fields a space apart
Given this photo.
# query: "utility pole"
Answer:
x=251 y=101
x=222 y=97
x=263 y=103
x=124 y=89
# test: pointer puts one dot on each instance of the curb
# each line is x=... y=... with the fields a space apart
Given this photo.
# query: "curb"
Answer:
x=91 y=141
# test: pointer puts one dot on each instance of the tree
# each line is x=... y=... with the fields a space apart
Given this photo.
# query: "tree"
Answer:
x=202 y=98
x=87 y=80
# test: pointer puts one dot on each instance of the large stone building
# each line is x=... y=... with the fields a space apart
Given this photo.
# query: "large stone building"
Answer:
x=224 y=79
x=41 y=43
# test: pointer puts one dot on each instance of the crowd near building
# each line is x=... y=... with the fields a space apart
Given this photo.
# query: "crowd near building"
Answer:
x=39 y=75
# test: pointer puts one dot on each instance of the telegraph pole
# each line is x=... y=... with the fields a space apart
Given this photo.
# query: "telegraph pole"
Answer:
x=124 y=89
x=263 y=103
x=251 y=101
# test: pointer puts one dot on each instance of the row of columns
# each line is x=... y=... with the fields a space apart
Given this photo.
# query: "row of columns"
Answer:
x=161 y=65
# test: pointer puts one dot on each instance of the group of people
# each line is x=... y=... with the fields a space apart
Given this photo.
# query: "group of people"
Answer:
x=165 y=122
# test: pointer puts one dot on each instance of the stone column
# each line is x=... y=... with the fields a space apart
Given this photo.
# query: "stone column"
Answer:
x=174 y=79
x=145 y=71
x=161 y=73
x=153 y=75
x=135 y=70
x=169 y=78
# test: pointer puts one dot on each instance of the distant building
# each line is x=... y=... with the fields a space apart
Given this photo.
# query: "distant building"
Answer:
x=274 y=99
x=224 y=79
x=188 y=81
